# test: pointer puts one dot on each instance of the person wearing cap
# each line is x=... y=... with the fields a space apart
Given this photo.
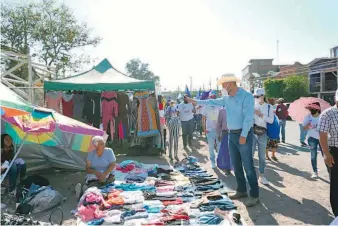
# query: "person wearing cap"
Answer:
x=239 y=105
x=210 y=115
x=186 y=113
x=328 y=136
x=310 y=125
x=282 y=114
x=263 y=114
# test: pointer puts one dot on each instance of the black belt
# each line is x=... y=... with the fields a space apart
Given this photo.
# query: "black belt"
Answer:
x=235 y=131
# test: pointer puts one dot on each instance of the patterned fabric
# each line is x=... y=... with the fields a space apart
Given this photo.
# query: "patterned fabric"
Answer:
x=109 y=111
x=146 y=119
x=272 y=144
x=174 y=133
x=328 y=123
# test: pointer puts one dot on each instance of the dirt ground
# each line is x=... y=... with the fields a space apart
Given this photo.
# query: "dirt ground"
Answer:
x=291 y=198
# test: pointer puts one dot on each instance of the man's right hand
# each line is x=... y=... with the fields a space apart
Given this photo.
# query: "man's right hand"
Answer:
x=190 y=100
x=329 y=160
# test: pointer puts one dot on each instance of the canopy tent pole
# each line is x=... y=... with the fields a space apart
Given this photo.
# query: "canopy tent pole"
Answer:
x=15 y=156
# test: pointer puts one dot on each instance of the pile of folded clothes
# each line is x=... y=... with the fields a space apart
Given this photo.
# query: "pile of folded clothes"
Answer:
x=184 y=194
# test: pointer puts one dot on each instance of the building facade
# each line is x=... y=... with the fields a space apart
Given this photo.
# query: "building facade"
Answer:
x=256 y=72
x=323 y=78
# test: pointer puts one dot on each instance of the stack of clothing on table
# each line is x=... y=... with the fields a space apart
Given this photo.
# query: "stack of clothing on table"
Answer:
x=159 y=195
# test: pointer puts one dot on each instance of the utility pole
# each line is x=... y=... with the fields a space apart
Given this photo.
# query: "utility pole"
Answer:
x=190 y=83
x=277 y=53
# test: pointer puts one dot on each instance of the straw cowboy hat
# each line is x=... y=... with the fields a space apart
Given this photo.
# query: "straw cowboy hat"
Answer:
x=227 y=78
x=280 y=100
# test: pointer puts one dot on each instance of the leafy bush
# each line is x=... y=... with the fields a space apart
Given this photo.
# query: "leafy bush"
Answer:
x=290 y=88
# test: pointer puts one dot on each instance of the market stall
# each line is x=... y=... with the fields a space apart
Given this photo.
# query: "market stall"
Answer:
x=126 y=108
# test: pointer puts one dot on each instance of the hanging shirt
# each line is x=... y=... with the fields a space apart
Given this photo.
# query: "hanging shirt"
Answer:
x=78 y=103
x=186 y=111
x=312 y=132
x=67 y=105
x=92 y=108
x=54 y=100
x=211 y=114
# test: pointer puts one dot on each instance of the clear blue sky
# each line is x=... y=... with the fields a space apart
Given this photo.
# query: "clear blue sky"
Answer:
x=206 y=38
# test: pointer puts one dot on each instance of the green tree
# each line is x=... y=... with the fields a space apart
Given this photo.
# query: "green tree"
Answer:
x=136 y=69
x=48 y=31
x=295 y=87
x=274 y=88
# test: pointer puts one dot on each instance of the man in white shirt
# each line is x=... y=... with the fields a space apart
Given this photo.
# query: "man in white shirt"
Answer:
x=210 y=115
x=186 y=113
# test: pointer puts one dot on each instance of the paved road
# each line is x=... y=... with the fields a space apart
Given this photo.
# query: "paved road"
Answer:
x=292 y=196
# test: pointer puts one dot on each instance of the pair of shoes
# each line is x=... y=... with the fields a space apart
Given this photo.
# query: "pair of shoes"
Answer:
x=263 y=180
x=177 y=159
x=303 y=144
x=283 y=141
x=251 y=202
x=314 y=175
x=238 y=195
x=274 y=158
x=268 y=158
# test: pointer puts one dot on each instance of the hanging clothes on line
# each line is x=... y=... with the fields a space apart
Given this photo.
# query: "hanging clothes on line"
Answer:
x=78 y=104
x=146 y=119
x=67 y=104
x=133 y=115
x=109 y=111
x=53 y=101
x=92 y=108
x=124 y=109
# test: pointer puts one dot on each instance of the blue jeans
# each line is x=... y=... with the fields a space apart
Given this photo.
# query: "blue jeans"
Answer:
x=314 y=144
x=13 y=173
x=261 y=142
x=241 y=156
x=282 y=124
x=211 y=136
x=303 y=133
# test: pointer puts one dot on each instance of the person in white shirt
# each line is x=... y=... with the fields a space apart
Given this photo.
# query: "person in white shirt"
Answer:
x=263 y=114
x=210 y=116
x=186 y=113
x=310 y=125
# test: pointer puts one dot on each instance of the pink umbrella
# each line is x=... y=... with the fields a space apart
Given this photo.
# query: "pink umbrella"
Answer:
x=297 y=110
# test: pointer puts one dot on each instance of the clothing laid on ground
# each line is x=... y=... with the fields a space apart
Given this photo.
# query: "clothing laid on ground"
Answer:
x=53 y=101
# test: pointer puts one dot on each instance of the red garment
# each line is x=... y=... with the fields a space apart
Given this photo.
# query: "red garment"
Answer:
x=282 y=112
x=67 y=108
x=90 y=212
x=126 y=169
x=175 y=217
x=161 y=106
x=109 y=110
x=174 y=202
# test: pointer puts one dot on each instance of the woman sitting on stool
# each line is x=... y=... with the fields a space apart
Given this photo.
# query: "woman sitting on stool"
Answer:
x=99 y=165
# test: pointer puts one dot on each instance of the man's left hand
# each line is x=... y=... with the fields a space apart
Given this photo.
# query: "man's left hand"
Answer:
x=242 y=140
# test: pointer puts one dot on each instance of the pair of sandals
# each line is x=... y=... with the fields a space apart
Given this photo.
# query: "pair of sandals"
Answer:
x=273 y=158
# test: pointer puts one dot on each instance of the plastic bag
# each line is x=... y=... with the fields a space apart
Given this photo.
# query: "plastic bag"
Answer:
x=46 y=200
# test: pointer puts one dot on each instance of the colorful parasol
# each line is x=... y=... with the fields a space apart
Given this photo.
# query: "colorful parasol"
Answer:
x=298 y=111
x=47 y=127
